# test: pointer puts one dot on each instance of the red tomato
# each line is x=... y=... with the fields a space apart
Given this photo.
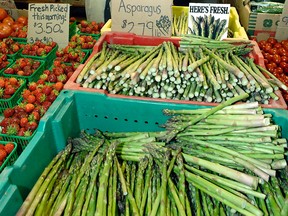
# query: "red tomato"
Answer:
x=283 y=65
x=8 y=20
x=273 y=51
x=267 y=47
x=23 y=20
x=17 y=26
x=5 y=30
x=284 y=59
x=272 y=40
x=276 y=58
x=277 y=45
x=261 y=44
x=3 y=14
x=278 y=70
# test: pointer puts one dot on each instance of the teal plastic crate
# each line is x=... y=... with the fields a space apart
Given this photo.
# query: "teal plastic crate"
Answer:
x=11 y=158
x=67 y=116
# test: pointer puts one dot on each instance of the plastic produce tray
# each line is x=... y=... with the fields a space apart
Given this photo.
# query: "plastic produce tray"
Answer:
x=11 y=158
x=33 y=77
x=12 y=101
x=48 y=59
x=67 y=117
x=130 y=39
x=95 y=36
x=234 y=23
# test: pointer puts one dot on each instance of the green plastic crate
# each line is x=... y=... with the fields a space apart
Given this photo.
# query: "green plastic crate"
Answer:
x=11 y=158
x=21 y=140
x=9 y=64
x=13 y=101
x=33 y=77
x=72 y=29
x=20 y=40
x=48 y=59
x=95 y=36
x=67 y=116
x=15 y=55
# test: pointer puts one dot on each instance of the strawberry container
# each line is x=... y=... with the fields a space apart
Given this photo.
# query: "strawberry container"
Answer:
x=21 y=140
x=33 y=77
x=132 y=39
x=47 y=59
x=11 y=158
x=13 y=100
x=96 y=36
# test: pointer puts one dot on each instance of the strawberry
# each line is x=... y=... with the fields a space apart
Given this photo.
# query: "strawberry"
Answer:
x=8 y=112
x=12 y=129
x=41 y=97
x=3 y=154
x=9 y=147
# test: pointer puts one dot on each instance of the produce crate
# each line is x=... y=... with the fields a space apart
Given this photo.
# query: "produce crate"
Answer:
x=21 y=140
x=12 y=101
x=95 y=36
x=48 y=59
x=20 y=40
x=15 y=55
x=11 y=158
x=72 y=29
x=67 y=117
x=9 y=64
x=32 y=78
x=130 y=39
x=234 y=23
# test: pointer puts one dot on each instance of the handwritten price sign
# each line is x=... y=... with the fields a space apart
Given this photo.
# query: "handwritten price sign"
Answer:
x=48 y=22
x=151 y=18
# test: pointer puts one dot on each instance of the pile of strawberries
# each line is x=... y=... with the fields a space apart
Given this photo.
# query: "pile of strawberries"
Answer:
x=70 y=55
x=90 y=27
x=82 y=41
x=5 y=150
x=8 y=86
x=3 y=61
x=9 y=46
x=23 y=67
x=23 y=119
x=38 y=48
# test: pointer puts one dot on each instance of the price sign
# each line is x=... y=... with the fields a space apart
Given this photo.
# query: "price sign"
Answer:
x=209 y=20
x=150 y=18
x=48 y=22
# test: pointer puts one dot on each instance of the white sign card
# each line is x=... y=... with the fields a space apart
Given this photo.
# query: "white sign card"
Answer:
x=209 y=20
x=150 y=18
x=48 y=22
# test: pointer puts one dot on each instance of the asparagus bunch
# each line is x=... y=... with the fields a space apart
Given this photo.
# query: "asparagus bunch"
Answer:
x=197 y=172
x=180 y=25
x=193 y=72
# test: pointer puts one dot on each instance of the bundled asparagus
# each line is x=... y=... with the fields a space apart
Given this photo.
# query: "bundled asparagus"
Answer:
x=208 y=168
x=211 y=73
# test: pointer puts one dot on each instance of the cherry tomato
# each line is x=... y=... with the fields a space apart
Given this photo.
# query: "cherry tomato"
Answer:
x=272 y=40
x=267 y=47
x=273 y=51
x=266 y=55
x=283 y=65
x=261 y=44
x=284 y=59
x=277 y=45
x=278 y=70
x=276 y=58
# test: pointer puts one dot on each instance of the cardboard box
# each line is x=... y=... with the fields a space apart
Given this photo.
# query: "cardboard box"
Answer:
x=259 y=25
